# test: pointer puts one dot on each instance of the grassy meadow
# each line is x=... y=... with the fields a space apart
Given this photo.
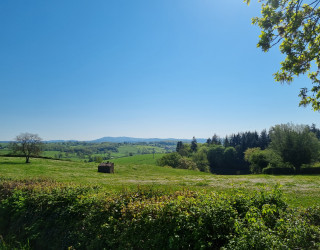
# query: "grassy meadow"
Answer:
x=141 y=170
x=83 y=151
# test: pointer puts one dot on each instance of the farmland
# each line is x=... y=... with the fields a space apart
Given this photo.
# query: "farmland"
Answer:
x=141 y=170
x=87 y=151
x=146 y=206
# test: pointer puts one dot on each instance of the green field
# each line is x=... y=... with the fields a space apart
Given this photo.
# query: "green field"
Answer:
x=83 y=151
x=141 y=170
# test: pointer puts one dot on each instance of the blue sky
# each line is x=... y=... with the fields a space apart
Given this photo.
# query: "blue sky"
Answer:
x=171 y=68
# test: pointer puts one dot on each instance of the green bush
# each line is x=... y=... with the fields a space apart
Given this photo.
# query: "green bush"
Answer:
x=310 y=170
x=279 y=170
x=312 y=214
x=200 y=158
x=171 y=159
x=260 y=159
x=48 y=215
x=175 y=160
x=186 y=163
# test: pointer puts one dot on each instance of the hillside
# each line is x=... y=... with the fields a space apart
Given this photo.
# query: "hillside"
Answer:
x=141 y=170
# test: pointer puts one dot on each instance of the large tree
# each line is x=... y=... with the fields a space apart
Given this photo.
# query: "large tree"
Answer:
x=295 y=25
x=28 y=145
x=294 y=144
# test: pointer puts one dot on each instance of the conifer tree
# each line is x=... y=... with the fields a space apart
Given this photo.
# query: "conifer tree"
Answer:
x=194 y=145
x=179 y=146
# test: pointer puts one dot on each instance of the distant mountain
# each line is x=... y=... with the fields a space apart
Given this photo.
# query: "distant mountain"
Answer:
x=133 y=140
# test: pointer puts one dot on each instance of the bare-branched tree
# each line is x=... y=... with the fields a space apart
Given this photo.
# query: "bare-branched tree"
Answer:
x=27 y=144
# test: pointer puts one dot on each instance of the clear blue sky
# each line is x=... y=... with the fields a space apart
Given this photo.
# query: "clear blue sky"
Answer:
x=172 y=68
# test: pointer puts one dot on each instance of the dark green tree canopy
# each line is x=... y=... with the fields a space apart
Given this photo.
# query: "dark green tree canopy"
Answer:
x=179 y=146
x=295 y=25
x=194 y=145
x=295 y=144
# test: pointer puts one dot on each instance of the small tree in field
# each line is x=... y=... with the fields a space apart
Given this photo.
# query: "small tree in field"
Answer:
x=27 y=144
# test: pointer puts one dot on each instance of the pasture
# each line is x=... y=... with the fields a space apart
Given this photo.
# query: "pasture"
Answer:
x=142 y=171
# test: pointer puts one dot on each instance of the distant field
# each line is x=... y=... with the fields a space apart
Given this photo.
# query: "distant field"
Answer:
x=137 y=149
x=148 y=159
x=141 y=170
x=83 y=152
x=4 y=152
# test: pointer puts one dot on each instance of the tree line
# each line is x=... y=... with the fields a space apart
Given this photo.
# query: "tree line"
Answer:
x=287 y=148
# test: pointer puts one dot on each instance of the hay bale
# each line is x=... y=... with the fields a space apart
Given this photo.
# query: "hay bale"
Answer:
x=106 y=167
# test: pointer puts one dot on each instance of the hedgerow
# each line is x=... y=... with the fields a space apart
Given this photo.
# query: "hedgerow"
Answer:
x=42 y=214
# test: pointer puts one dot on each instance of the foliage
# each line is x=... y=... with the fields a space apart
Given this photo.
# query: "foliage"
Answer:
x=295 y=24
x=171 y=159
x=226 y=157
x=289 y=170
x=175 y=160
x=184 y=149
x=295 y=144
x=248 y=139
x=187 y=163
x=28 y=145
x=242 y=141
x=51 y=215
x=315 y=130
x=193 y=159
x=260 y=159
x=89 y=151
x=225 y=160
x=200 y=159
x=194 y=145
x=223 y=156
x=215 y=140
x=142 y=170
x=215 y=157
x=230 y=157
x=179 y=146
x=310 y=170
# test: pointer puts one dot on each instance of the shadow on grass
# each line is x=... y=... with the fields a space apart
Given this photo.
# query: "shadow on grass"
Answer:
x=12 y=163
